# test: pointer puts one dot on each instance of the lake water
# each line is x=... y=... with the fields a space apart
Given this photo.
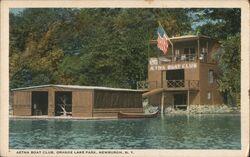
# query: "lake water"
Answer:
x=168 y=132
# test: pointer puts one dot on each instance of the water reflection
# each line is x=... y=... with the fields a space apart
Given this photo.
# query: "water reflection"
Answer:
x=169 y=132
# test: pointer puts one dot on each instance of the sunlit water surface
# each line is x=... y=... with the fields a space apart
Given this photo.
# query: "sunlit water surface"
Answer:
x=168 y=132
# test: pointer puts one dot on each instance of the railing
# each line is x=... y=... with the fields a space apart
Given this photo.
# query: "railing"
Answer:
x=147 y=84
x=169 y=84
x=178 y=58
x=175 y=83
x=187 y=84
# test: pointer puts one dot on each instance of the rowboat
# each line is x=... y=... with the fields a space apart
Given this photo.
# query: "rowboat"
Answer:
x=122 y=115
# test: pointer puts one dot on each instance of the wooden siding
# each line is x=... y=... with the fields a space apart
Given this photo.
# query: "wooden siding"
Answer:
x=11 y=103
x=155 y=99
x=192 y=74
x=22 y=103
x=168 y=101
x=206 y=87
x=82 y=103
x=155 y=79
x=217 y=98
x=117 y=99
x=200 y=73
x=107 y=102
x=194 y=98
x=169 y=98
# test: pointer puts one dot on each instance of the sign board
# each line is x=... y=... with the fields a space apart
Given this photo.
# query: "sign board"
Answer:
x=172 y=66
x=153 y=61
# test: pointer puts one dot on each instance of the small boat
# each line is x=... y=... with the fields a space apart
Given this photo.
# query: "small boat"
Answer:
x=122 y=115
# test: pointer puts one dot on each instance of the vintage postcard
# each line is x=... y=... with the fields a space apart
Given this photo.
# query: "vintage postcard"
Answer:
x=124 y=78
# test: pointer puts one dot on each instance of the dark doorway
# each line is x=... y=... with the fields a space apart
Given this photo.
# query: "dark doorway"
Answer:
x=180 y=101
x=39 y=103
x=63 y=103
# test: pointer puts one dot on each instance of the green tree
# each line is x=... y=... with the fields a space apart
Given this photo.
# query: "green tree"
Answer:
x=217 y=23
x=100 y=47
x=224 y=25
x=229 y=61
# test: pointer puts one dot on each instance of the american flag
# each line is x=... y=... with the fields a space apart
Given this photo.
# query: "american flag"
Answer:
x=162 y=40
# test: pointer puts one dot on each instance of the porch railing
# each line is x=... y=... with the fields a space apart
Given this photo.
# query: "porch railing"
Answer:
x=178 y=58
x=147 y=84
x=187 y=84
x=169 y=84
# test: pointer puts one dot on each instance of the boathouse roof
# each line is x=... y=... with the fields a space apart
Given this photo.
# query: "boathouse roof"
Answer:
x=185 y=38
x=75 y=87
x=189 y=37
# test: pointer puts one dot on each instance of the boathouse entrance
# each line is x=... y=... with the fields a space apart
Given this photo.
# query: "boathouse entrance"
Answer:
x=39 y=103
x=63 y=103
x=180 y=101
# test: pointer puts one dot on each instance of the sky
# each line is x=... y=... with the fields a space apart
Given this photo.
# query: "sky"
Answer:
x=16 y=10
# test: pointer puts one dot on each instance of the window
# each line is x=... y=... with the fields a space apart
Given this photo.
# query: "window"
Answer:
x=208 y=95
x=210 y=76
x=175 y=74
x=189 y=51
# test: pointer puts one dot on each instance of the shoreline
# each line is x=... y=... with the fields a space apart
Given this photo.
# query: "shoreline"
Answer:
x=192 y=110
x=113 y=118
x=205 y=109
x=62 y=118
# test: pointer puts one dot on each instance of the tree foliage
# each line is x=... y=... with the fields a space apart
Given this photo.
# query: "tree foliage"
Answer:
x=229 y=62
x=218 y=23
x=224 y=25
x=101 y=47
x=110 y=46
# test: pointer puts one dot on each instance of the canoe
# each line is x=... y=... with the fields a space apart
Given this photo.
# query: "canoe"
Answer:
x=122 y=115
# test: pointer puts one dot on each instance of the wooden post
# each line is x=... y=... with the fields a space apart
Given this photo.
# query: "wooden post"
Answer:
x=161 y=78
x=207 y=47
x=188 y=99
x=211 y=95
x=162 y=102
x=51 y=102
x=198 y=52
x=173 y=55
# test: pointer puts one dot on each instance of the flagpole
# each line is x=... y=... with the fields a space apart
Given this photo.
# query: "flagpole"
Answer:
x=148 y=42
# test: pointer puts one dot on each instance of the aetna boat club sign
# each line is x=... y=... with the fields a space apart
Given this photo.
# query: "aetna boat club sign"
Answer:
x=154 y=65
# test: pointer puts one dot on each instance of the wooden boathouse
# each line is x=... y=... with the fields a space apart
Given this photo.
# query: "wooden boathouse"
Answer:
x=186 y=75
x=79 y=101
